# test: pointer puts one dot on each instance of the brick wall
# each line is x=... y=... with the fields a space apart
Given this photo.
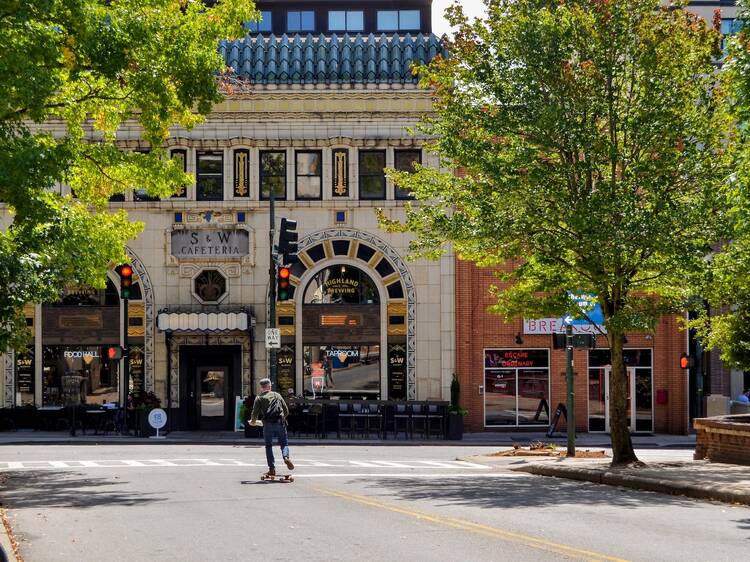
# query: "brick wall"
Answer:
x=477 y=329
x=724 y=439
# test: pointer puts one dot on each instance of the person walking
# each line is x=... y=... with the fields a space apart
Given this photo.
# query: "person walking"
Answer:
x=270 y=408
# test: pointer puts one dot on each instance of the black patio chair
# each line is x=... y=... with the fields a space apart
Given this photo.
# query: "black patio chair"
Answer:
x=435 y=420
x=345 y=419
x=401 y=417
x=374 y=418
x=418 y=419
x=359 y=418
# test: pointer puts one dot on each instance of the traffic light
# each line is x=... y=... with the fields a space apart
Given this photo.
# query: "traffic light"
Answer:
x=687 y=361
x=113 y=352
x=288 y=237
x=125 y=271
x=559 y=341
x=283 y=291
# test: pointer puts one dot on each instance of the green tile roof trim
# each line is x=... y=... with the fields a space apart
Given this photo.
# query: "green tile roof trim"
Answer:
x=329 y=59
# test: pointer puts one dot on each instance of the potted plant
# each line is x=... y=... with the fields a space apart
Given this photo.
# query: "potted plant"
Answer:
x=455 y=412
x=143 y=402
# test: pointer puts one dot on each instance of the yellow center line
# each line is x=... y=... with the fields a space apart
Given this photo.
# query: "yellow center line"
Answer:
x=526 y=540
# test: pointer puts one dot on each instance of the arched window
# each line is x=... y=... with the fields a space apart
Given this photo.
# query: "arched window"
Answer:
x=341 y=284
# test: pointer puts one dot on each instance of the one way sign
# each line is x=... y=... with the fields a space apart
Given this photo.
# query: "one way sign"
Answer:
x=273 y=338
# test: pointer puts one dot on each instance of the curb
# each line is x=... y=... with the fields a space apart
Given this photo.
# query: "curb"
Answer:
x=663 y=486
x=253 y=441
x=7 y=553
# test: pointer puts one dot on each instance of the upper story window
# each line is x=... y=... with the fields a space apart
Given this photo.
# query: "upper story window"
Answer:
x=309 y=175
x=300 y=21
x=399 y=20
x=141 y=194
x=263 y=26
x=729 y=26
x=209 y=176
x=405 y=160
x=346 y=21
x=273 y=174
x=371 y=174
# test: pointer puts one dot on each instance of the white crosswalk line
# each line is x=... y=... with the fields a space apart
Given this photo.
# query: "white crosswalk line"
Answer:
x=58 y=464
x=364 y=464
x=394 y=464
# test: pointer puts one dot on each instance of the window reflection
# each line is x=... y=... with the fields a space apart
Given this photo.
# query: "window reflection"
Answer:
x=349 y=371
x=77 y=375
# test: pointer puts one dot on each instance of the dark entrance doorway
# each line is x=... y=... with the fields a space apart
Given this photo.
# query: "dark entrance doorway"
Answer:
x=209 y=382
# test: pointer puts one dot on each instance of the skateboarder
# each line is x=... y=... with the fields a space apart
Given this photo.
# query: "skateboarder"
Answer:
x=271 y=409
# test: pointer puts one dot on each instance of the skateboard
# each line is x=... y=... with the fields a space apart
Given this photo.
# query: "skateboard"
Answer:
x=278 y=477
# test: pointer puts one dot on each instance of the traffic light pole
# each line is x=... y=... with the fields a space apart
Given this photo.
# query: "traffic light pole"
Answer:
x=125 y=367
x=571 y=417
x=271 y=285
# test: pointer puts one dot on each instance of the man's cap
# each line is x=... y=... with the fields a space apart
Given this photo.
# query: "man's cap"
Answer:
x=265 y=382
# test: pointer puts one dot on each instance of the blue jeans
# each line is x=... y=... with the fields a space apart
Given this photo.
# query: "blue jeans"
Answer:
x=278 y=430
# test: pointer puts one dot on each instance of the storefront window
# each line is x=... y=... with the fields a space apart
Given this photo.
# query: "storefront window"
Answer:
x=77 y=375
x=341 y=284
x=516 y=387
x=351 y=371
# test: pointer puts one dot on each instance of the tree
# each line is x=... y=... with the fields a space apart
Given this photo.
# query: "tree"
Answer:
x=724 y=323
x=592 y=138
x=72 y=72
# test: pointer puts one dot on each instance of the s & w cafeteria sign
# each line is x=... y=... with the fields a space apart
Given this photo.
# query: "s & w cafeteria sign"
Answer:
x=210 y=243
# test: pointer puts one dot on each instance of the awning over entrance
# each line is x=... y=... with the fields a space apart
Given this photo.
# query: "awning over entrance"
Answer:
x=203 y=321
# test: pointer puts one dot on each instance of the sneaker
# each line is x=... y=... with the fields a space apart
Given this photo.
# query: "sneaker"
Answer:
x=289 y=464
x=271 y=472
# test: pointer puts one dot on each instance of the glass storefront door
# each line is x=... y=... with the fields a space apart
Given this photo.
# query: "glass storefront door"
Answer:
x=639 y=390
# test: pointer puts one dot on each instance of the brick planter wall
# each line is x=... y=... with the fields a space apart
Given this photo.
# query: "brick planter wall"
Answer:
x=723 y=439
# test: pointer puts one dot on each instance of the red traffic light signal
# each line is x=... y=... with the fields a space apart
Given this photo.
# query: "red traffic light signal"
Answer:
x=687 y=361
x=283 y=291
x=125 y=271
x=113 y=352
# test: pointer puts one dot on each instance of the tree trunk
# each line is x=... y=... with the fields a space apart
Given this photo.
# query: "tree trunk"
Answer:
x=622 y=446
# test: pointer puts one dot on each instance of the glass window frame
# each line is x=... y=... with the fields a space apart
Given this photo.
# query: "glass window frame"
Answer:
x=297 y=175
x=404 y=196
x=199 y=175
x=262 y=176
x=360 y=175
x=299 y=15
x=381 y=27
x=517 y=369
x=347 y=27
x=399 y=25
x=265 y=25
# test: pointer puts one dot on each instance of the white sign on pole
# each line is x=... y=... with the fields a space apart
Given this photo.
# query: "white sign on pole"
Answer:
x=157 y=418
x=273 y=338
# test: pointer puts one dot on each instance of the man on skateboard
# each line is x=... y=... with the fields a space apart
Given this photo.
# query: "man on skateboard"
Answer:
x=271 y=409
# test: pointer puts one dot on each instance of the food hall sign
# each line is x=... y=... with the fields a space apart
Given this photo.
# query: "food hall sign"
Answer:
x=210 y=243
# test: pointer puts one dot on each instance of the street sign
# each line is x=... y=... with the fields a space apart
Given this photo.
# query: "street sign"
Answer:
x=157 y=418
x=273 y=338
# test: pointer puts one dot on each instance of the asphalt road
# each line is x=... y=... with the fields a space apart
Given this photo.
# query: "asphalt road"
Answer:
x=411 y=503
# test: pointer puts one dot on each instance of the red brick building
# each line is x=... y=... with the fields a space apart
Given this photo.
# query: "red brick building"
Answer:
x=509 y=371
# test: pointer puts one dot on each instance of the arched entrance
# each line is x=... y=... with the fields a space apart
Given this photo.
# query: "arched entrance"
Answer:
x=393 y=330
x=342 y=342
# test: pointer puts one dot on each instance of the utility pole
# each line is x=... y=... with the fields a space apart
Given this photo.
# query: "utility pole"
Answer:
x=272 y=284
x=571 y=417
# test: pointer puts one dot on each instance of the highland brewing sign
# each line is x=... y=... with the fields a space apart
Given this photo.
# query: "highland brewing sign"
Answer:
x=210 y=243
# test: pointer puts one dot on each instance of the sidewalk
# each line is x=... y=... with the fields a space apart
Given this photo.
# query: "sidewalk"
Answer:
x=29 y=437
x=728 y=483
